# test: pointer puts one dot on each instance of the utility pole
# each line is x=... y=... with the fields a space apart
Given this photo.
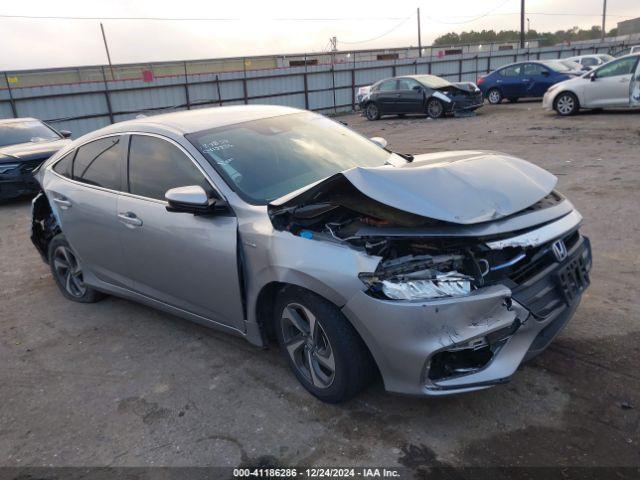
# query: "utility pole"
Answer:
x=521 y=23
x=106 y=47
x=334 y=44
x=604 y=19
x=419 y=35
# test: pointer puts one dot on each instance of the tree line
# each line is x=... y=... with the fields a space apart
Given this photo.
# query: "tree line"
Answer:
x=507 y=36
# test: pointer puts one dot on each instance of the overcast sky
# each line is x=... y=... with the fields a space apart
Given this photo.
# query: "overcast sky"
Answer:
x=253 y=27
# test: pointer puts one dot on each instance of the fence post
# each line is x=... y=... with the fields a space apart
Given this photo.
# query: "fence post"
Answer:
x=460 y=70
x=353 y=89
x=107 y=97
x=415 y=67
x=333 y=83
x=186 y=86
x=12 y=102
x=244 y=81
x=306 y=90
x=218 y=89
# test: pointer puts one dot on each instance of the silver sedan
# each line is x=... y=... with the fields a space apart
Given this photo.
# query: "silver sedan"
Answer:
x=441 y=273
x=613 y=85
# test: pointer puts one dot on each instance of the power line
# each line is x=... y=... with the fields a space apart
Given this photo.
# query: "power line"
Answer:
x=473 y=19
x=199 y=19
x=382 y=35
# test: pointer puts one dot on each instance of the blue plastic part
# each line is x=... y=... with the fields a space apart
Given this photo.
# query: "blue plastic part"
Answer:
x=306 y=234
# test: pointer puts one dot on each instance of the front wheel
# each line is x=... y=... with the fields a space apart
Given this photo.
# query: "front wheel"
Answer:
x=322 y=348
x=435 y=108
x=566 y=104
x=494 y=96
x=372 y=112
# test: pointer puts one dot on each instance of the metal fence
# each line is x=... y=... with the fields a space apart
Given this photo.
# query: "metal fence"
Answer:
x=83 y=106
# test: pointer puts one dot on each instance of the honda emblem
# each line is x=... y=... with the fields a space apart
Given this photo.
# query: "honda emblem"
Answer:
x=559 y=250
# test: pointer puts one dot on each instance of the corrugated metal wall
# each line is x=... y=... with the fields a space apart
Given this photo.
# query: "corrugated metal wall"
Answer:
x=92 y=99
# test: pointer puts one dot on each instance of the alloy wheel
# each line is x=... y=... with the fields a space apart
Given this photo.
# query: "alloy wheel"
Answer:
x=565 y=104
x=372 y=111
x=68 y=271
x=494 y=96
x=434 y=109
x=308 y=345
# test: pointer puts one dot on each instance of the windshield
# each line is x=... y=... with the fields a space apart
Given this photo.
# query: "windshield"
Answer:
x=432 y=81
x=265 y=159
x=13 y=133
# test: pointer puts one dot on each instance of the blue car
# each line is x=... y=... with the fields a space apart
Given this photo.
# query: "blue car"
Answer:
x=523 y=80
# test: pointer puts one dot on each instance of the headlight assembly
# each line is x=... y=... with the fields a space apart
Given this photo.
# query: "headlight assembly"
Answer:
x=450 y=284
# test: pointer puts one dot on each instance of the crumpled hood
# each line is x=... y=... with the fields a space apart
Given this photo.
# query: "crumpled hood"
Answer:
x=464 y=187
x=31 y=150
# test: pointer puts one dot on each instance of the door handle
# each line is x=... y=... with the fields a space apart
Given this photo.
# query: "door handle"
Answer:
x=63 y=202
x=130 y=219
x=526 y=79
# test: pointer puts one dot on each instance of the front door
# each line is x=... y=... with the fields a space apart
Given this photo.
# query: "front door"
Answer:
x=84 y=194
x=187 y=261
x=537 y=79
x=411 y=96
x=610 y=84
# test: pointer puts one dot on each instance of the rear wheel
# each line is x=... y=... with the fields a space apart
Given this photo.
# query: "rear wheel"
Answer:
x=324 y=351
x=435 y=108
x=494 y=96
x=68 y=274
x=372 y=112
x=566 y=104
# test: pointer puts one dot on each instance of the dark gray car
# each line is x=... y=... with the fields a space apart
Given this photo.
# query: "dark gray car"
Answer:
x=442 y=272
x=423 y=94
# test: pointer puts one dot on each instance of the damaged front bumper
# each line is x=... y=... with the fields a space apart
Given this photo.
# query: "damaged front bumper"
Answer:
x=461 y=344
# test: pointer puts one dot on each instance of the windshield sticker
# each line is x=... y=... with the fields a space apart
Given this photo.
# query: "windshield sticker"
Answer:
x=217 y=146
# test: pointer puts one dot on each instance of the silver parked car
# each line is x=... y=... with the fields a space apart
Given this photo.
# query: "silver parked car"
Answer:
x=442 y=272
x=613 y=85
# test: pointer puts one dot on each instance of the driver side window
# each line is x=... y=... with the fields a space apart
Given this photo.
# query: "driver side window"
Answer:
x=155 y=166
x=624 y=66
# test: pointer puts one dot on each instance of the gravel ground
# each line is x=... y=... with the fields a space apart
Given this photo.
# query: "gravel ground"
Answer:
x=116 y=383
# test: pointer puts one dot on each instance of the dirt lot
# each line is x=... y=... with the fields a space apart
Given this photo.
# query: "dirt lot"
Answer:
x=116 y=383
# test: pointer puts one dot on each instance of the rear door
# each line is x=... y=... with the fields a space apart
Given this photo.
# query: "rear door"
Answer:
x=411 y=96
x=187 y=261
x=387 y=96
x=611 y=83
x=510 y=81
x=84 y=194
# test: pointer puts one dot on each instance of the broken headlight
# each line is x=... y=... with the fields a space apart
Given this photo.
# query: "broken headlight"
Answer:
x=450 y=284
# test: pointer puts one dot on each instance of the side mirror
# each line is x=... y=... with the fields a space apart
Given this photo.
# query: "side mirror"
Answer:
x=545 y=73
x=593 y=77
x=65 y=133
x=381 y=142
x=417 y=88
x=192 y=199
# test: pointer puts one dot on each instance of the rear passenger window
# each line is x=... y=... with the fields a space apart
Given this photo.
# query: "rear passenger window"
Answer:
x=387 y=86
x=98 y=163
x=513 y=71
x=156 y=166
x=63 y=166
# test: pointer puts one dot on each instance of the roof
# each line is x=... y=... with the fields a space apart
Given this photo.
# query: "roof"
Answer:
x=189 y=121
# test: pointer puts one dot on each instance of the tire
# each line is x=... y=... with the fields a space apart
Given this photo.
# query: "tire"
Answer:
x=494 y=96
x=435 y=108
x=513 y=99
x=335 y=343
x=372 y=112
x=67 y=272
x=566 y=103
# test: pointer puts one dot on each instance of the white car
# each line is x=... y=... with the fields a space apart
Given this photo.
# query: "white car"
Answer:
x=592 y=61
x=635 y=49
x=613 y=85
